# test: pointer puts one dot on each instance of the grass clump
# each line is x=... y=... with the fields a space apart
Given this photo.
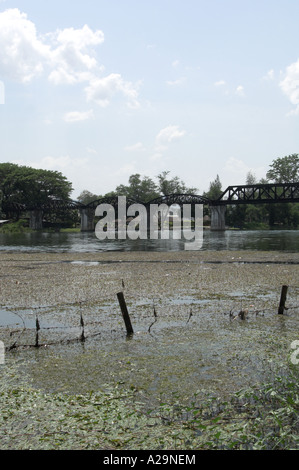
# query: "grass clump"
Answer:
x=19 y=226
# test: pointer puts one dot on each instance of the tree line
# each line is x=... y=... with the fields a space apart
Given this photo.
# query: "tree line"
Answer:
x=261 y=216
x=34 y=187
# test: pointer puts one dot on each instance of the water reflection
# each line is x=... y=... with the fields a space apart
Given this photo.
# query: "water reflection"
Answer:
x=265 y=240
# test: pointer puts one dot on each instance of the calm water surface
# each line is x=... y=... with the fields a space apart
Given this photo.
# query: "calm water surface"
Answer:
x=264 y=240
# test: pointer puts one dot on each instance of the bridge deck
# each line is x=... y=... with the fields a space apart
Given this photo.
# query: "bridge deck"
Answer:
x=240 y=194
x=260 y=194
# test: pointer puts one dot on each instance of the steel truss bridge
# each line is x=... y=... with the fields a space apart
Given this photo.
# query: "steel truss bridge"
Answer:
x=259 y=194
x=233 y=195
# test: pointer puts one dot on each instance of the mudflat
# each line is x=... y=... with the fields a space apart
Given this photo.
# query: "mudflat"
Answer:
x=37 y=279
x=184 y=308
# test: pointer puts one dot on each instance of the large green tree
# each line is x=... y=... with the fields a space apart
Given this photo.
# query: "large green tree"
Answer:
x=172 y=185
x=139 y=189
x=215 y=189
x=285 y=169
x=31 y=186
x=86 y=197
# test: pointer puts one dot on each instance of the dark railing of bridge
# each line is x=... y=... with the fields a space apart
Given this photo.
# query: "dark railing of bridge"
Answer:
x=259 y=194
x=240 y=194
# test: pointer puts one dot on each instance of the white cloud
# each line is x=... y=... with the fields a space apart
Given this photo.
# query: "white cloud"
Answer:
x=80 y=38
x=91 y=150
x=135 y=148
x=126 y=170
x=22 y=52
x=59 y=163
x=75 y=116
x=177 y=82
x=168 y=134
x=156 y=156
x=67 y=56
x=72 y=62
x=290 y=85
x=220 y=83
x=163 y=139
x=25 y=55
x=240 y=90
x=62 y=163
x=101 y=90
x=236 y=170
x=235 y=165
x=270 y=75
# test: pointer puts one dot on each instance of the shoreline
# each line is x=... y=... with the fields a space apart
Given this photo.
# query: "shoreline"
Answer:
x=39 y=278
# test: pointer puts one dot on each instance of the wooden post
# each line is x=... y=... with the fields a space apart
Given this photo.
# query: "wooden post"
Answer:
x=37 y=330
x=125 y=314
x=82 y=336
x=283 y=297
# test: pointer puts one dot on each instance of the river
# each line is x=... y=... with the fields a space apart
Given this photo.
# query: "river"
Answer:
x=261 y=240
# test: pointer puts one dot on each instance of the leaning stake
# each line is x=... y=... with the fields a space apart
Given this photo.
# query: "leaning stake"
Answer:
x=124 y=311
x=37 y=330
x=283 y=297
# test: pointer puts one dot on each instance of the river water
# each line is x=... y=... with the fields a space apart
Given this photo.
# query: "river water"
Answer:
x=261 y=240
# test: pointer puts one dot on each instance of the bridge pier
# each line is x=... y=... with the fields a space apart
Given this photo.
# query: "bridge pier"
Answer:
x=36 y=219
x=218 y=217
x=87 y=219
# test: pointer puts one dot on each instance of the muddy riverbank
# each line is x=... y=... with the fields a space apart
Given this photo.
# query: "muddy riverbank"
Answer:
x=35 y=279
x=143 y=391
x=184 y=310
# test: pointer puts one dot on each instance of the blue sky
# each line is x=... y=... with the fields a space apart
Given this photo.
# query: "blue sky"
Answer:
x=102 y=89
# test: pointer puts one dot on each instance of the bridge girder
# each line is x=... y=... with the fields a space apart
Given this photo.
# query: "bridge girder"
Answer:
x=179 y=199
x=259 y=194
x=239 y=194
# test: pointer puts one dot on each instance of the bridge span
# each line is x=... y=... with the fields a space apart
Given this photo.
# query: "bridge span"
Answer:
x=275 y=193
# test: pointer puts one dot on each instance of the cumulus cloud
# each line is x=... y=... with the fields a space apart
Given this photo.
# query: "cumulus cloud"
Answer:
x=177 y=82
x=168 y=134
x=240 y=90
x=22 y=53
x=71 y=59
x=270 y=75
x=290 y=85
x=236 y=170
x=138 y=147
x=61 y=163
x=75 y=116
x=102 y=89
x=91 y=150
x=220 y=83
x=236 y=166
x=67 y=57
